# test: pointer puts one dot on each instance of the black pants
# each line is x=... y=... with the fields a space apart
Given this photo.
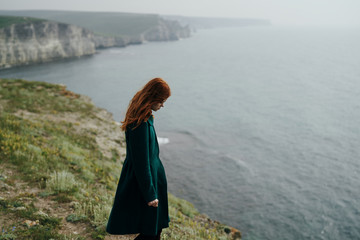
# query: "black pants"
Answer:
x=148 y=237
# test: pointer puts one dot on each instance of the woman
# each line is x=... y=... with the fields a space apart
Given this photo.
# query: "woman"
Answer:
x=141 y=203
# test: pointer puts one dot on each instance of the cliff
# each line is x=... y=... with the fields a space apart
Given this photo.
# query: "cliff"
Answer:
x=163 y=30
x=168 y=30
x=43 y=41
x=132 y=27
x=60 y=160
x=73 y=34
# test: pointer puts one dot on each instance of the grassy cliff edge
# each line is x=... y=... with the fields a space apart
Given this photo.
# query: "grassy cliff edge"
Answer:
x=60 y=159
x=6 y=21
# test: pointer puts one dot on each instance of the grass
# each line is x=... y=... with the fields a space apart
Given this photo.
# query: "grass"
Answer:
x=62 y=181
x=43 y=226
x=68 y=167
x=102 y=23
x=111 y=24
x=41 y=97
x=6 y=21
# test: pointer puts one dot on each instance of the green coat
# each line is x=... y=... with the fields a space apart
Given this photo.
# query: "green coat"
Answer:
x=142 y=180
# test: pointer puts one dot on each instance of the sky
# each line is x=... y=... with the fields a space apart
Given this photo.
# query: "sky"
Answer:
x=281 y=12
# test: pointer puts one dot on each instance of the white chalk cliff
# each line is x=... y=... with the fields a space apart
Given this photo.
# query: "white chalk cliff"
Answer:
x=43 y=41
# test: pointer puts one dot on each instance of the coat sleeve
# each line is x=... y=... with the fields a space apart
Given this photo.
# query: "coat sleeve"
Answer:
x=139 y=147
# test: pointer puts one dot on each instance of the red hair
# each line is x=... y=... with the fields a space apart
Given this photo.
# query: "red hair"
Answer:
x=139 y=110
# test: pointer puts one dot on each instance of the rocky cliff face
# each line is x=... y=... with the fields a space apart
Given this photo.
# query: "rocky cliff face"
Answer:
x=44 y=41
x=167 y=30
x=164 y=30
x=105 y=42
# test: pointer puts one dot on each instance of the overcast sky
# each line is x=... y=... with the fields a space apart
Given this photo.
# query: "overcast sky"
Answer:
x=299 y=12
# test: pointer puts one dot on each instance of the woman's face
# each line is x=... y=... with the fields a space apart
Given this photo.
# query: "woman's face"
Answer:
x=157 y=106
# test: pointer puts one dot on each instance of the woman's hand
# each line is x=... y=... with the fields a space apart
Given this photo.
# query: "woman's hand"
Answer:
x=153 y=203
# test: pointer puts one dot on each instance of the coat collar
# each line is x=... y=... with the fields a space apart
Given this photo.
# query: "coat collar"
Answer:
x=151 y=120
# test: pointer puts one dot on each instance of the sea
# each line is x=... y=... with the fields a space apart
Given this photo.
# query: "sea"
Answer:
x=262 y=131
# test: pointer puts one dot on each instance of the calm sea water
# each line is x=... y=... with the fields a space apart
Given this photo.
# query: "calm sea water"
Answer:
x=263 y=124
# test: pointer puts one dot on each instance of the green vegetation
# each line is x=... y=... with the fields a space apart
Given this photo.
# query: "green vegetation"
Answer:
x=41 y=97
x=48 y=165
x=61 y=182
x=76 y=218
x=102 y=23
x=38 y=225
x=110 y=24
x=6 y=21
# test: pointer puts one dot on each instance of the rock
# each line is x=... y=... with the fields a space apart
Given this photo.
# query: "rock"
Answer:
x=164 y=30
x=20 y=208
x=4 y=186
x=2 y=176
x=43 y=41
x=235 y=234
x=106 y=42
x=167 y=30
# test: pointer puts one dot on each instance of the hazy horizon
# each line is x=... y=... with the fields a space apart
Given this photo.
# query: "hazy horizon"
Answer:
x=279 y=12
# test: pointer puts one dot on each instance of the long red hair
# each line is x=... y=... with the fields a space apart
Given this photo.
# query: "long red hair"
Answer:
x=139 y=110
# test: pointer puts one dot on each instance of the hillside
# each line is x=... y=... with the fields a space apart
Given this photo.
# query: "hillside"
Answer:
x=60 y=160
x=30 y=37
x=7 y=21
x=113 y=24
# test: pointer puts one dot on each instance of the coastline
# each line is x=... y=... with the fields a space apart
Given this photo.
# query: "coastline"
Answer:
x=91 y=150
x=51 y=36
